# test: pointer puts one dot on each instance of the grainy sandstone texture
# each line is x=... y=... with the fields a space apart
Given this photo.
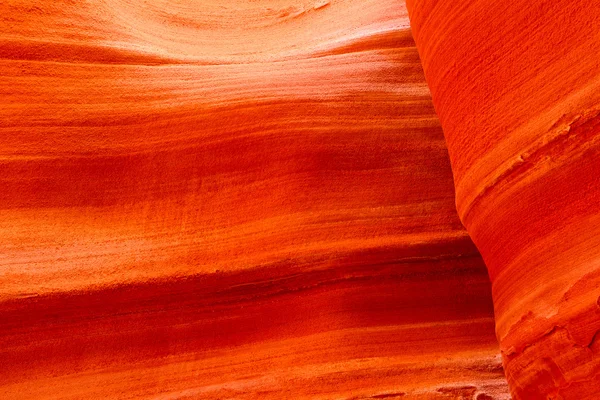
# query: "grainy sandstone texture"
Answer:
x=516 y=87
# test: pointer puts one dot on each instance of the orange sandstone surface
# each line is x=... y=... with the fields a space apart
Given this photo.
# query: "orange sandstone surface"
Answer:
x=253 y=200
x=516 y=85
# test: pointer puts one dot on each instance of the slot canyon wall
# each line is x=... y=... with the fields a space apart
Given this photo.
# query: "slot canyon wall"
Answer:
x=213 y=200
x=253 y=199
x=516 y=86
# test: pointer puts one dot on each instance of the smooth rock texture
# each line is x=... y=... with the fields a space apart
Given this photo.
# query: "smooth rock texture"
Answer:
x=516 y=86
x=249 y=200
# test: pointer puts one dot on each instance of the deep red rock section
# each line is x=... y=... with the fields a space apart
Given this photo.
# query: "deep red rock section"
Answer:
x=231 y=199
x=516 y=85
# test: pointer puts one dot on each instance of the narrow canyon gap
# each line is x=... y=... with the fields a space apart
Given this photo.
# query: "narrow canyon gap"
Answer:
x=516 y=85
x=231 y=200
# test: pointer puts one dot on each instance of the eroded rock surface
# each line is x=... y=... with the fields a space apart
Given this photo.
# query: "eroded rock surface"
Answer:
x=230 y=199
x=516 y=87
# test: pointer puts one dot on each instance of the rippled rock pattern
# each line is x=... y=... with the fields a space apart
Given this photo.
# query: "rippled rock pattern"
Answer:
x=516 y=86
x=245 y=199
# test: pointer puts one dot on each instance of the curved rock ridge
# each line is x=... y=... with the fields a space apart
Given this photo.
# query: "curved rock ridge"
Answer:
x=516 y=86
x=230 y=200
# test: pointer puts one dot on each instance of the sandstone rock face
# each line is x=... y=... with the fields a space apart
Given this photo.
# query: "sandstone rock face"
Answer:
x=516 y=87
x=233 y=199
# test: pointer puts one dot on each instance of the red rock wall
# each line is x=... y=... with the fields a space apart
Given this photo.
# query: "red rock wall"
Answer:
x=208 y=199
x=516 y=87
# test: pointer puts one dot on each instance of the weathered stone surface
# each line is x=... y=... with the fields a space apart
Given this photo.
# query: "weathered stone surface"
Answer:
x=516 y=87
x=230 y=199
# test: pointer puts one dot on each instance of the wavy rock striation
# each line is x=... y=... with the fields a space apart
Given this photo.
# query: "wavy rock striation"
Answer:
x=250 y=200
x=516 y=87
